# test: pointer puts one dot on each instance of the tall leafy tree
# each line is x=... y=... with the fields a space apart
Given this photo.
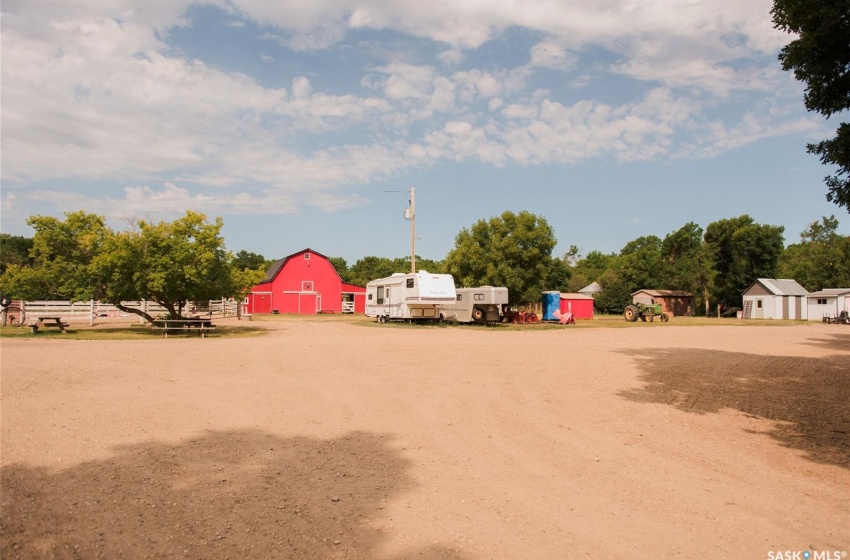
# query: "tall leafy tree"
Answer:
x=511 y=250
x=14 y=249
x=821 y=259
x=248 y=260
x=742 y=251
x=61 y=257
x=171 y=263
x=820 y=57
x=687 y=264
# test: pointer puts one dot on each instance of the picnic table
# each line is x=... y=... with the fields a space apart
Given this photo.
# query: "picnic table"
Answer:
x=186 y=325
x=43 y=321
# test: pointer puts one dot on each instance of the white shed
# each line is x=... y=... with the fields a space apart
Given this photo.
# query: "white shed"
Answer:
x=829 y=302
x=771 y=298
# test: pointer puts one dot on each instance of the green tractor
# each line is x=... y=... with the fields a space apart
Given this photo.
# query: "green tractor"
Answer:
x=644 y=311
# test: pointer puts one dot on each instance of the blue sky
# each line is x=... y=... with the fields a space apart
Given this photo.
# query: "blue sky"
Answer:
x=293 y=120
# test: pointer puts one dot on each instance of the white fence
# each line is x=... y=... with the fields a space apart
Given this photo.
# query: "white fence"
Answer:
x=99 y=312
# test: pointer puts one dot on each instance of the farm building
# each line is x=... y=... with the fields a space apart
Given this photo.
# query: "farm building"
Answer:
x=771 y=298
x=305 y=283
x=580 y=305
x=673 y=302
x=591 y=289
x=827 y=303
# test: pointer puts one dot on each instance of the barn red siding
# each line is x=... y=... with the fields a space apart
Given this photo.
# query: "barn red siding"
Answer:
x=580 y=308
x=306 y=283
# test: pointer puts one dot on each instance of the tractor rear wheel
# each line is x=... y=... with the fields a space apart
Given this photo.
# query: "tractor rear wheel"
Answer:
x=631 y=313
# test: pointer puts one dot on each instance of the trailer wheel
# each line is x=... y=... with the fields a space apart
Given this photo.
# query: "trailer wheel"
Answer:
x=477 y=315
x=382 y=319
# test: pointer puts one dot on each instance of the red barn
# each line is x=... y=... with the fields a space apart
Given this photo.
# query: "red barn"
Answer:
x=305 y=283
x=580 y=305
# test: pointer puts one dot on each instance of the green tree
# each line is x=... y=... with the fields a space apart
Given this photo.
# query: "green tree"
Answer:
x=742 y=251
x=821 y=259
x=687 y=264
x=251 y=261
x=616 y=293
x=168 y=263
x=511 y=250
x=14 y=249
x=639 y=264
x=820 y=57
x=61 y=257
x=371 y=268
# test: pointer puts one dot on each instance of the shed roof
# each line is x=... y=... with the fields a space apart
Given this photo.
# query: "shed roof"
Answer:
x=574 y=295
x=831 y=292
x=591 y=288
x=665 y=293
x=780 y=287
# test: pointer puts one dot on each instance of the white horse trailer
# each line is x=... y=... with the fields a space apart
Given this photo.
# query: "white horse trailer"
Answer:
x=483 y=304
x=416 y=296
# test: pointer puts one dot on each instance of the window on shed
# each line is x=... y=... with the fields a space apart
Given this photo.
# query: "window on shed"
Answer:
x=758 y=303
x=410 y=282
x=306 y=256
x=821 y=301
x=306 y=285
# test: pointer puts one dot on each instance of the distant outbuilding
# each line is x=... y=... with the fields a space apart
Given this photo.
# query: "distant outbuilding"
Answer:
x=772 y=298
x=305 y=283
x=591 y=289
x=673 y=302
x=828 y=303
x=580 y=305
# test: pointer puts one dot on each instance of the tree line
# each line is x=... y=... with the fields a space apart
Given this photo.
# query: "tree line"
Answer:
x=172 y=263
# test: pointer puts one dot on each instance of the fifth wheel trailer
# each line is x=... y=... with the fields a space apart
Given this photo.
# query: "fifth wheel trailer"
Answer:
x=483 y=304
x=416 y=296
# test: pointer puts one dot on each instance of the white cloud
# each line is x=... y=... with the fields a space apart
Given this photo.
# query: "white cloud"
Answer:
x=266 y=58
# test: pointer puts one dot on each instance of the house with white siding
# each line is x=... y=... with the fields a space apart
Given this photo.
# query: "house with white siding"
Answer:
x=771 y=298
x=829 y=302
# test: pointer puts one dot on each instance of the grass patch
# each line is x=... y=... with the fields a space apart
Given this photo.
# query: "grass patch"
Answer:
x=132 y=332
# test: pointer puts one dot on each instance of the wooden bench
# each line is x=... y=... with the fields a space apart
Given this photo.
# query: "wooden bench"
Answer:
x=203 y=326
x=48 y=321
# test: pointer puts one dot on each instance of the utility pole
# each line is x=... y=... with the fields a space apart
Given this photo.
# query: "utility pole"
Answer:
x=412 y=231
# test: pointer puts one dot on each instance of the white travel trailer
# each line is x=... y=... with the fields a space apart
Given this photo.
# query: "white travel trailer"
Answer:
x=414 y=297
x=483 y=304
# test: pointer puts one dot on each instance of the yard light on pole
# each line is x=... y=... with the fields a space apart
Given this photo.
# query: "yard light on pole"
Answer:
x=410 y=216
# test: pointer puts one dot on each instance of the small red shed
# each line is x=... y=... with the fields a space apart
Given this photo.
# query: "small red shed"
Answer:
x=305 y=283
x=580 y=305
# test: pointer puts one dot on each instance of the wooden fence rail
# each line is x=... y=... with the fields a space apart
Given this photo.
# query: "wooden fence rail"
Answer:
x=92 y=311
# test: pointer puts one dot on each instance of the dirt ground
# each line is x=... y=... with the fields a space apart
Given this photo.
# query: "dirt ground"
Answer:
x=331 y=439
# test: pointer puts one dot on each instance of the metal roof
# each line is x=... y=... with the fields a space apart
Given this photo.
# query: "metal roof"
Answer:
x=781 y=287
x=665 y=293
x=831 y=292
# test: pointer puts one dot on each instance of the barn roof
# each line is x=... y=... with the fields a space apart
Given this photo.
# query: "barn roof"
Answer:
x=780 y=287
x=831 y=292
x=274 y=269
x=665 y=293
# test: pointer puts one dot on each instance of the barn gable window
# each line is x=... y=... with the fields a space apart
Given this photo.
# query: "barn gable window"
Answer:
x=306 y=256
x=307 y=286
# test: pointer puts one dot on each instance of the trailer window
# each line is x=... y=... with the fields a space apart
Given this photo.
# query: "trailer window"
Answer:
x=410 y=282
x=380 y=295
x=478 y=297
x=460 y=297
x=370 y=297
